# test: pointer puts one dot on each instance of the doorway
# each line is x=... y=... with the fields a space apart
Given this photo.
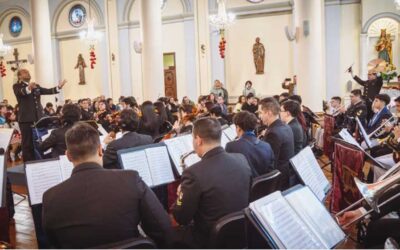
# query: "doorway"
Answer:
x=170 y=75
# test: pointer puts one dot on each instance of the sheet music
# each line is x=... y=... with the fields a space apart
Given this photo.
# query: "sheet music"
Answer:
x=230 y=133
x=5 y=137
x=101 y=129
x=177 y=147
x=44 y=137
x=224 y=140
x=346 y=136
x=66 y=167
x=310 y=172
x=159 y=165
x=42 y=176
x=315 y=215
x=137 y=161
x=364 y=133
x=276 y=213
x=2 y=185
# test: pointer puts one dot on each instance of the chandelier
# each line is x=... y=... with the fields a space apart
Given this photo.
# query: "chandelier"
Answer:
x=90 y=35
x=4 y=49
x=397 y=3
x=222 y=20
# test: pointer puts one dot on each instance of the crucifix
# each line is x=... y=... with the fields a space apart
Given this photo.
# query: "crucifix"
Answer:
x=16 y=61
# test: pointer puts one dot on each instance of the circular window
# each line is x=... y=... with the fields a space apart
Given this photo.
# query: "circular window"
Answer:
x=15 y=26
x=77 y=15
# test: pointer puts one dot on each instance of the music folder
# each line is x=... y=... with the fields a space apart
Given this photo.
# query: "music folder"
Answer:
x=306 y=166
x=179 y=146
x=295 y=219
x=152 y=162
x=45 y=174
x=5 y=138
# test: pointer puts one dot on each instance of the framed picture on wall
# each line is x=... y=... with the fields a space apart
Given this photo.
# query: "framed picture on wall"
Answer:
x=77 y=15
x=15 y=26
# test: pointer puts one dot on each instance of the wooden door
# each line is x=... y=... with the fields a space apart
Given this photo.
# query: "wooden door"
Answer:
x=170 y=75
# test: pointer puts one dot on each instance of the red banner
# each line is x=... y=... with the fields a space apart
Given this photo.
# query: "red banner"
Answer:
x=348 y=163
x=329 y=126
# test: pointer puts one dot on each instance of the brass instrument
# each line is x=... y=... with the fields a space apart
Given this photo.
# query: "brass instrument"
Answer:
x=183 y=158
x=373 y=192
x=381 y=129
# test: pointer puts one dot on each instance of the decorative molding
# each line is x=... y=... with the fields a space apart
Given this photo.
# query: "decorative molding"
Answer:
x=20 y=40
x=368 y=23
x=260 y=9
x=165 y=20
x=65 y=3
x=69 y=34
x=341 y=2
x=15 y=9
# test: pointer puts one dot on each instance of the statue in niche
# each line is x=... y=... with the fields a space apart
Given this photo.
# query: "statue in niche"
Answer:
x=259 y=56
x=384 y=47
x=81 y=65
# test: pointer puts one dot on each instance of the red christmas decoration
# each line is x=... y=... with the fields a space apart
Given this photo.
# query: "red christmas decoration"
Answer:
x=2 y=69
x=92 y=57
x=222 y=44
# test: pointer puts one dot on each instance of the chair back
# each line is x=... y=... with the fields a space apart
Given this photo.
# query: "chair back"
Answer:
x=229 y=232
x=265 y=184
x=131 y=243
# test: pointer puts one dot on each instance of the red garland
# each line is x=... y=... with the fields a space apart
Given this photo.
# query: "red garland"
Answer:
x=2 y=69
x=222 y=44
x=92 y=57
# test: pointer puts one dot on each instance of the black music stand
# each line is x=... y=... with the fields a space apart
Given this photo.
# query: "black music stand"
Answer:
x=40 y=128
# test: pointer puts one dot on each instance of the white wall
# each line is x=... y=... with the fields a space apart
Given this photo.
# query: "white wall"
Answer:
x=239 y=56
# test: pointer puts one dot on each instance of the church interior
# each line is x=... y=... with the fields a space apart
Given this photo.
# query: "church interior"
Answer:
x=292 y=105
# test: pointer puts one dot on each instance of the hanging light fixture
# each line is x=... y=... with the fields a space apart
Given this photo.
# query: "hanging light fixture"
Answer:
x=223 y=19
x=91 y=37
x=4 y=49
x=397 y=3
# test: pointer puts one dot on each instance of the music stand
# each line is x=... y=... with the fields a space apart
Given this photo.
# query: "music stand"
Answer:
x=39 y=129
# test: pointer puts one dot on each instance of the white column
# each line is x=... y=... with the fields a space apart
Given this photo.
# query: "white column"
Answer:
x=363 y=56
x=152 y=54
x=203 y=49
x=112 y=49
x=42 y=45
x=310 y=52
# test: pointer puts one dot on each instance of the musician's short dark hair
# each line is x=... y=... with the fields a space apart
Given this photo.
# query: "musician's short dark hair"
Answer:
x=284 y=94
x=356 y=92
x=245 y=120
x=208 y=129
x=49 y=105
x=130 y=101
x=248 y=82
x=250 y=95
x=270 y=104
x=292 y=107
x=384 y=98
x=216 y=110
x=129 y=120
x=82 y=141
x=397 y=99
x=337 y=98
x=71 y=113
x=296 y=98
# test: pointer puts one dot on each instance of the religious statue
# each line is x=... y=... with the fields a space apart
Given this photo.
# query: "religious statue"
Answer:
x=384 y=47
x=259 y=56
x=81 y=65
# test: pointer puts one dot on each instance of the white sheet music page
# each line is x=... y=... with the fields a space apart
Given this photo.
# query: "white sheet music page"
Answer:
x=137 y=161
x=277 y=214
x=177 y=147
x=230 y=133
x=1 y=178
x=160 y=165
x=224 y=140
x=315 y=215
x=364 y=133
x=346 y=136
x=44 y=137
x=42 y=176
x=5 y=137
x=66 y=167
x=310 y=172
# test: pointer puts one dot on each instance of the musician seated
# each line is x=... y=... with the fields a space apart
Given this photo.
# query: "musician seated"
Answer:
x=96 y=206
x=379 y=228
x=103 y=115
x=128 y=123
x=56 y=141
x=87 y=114
x=280 y=137
x=217 y=185
x=381 y=112
x=149 y=122
x=222 y=105
x=258 y=153
x=249 y=104
x=357 y=108
x=216 y=112
x=289 y=111
x=129 y=103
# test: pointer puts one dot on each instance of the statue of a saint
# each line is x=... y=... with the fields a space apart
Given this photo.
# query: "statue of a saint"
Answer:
x=259 y=56
x=81 y=65
x=384 y=47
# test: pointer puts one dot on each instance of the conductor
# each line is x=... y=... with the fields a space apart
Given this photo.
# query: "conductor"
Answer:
x=30 y=109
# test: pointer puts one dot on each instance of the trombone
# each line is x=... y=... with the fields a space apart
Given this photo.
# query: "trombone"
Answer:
x=373 y=192
x=381 y=129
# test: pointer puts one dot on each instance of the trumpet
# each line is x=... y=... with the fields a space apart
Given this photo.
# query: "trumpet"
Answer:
x=381 y=129
x=373 y=192
x=183 y=158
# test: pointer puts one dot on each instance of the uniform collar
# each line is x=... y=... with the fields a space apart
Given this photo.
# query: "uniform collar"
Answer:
x=212 y=152
x=85 y=167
